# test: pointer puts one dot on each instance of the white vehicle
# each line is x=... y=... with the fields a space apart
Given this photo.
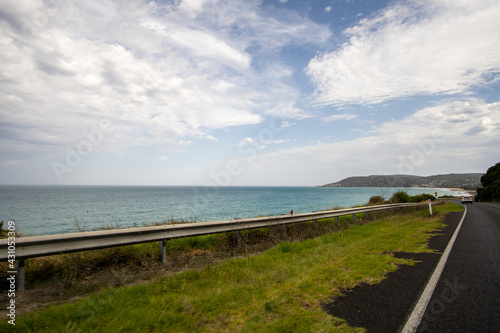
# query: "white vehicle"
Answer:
x=467 y=199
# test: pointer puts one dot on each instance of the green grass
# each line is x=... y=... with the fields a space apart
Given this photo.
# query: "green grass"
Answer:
x=68 y=271
x=277 y=291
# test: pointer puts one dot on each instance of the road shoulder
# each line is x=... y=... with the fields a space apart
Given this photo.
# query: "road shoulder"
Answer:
x=384 y=307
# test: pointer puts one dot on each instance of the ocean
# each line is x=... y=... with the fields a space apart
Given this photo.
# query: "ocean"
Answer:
x=47 y=210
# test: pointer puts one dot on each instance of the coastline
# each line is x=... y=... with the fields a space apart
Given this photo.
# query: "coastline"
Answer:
x=57 y=210
x=451 y=180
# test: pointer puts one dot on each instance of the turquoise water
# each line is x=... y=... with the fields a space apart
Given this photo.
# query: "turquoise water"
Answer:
x=45 y=210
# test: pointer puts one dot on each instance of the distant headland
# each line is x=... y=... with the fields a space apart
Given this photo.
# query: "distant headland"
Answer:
x=466 y=181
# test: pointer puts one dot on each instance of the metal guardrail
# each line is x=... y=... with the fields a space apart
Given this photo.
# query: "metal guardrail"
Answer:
x=39 y=246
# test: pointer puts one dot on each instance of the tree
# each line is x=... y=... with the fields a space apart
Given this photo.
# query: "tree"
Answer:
x=491 y=185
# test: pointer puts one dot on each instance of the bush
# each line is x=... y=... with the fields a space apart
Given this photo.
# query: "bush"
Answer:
x=399 y=197
x=376 y=200
x=422 y=197
x=428 y=196
x=3 y=232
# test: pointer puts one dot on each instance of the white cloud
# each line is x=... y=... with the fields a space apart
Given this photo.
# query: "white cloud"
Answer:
x=411 y=48
x=185 y=143
x=266 y=28
x=286 y=124
x=244 y=142
x=276 y=142
x=461 y=136
x=336 y=117
x=192 y=7
x=168 y=75
x=206 y=45
x=210 y=137
x=12 y=163
x=160 y=74
x=288 y=110
x=259 y=143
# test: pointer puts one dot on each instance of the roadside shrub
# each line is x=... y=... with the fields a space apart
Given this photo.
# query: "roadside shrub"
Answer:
x=3 y=232
x=376 y=200
x=428 y=196
x=422 y=197
x=400 y=197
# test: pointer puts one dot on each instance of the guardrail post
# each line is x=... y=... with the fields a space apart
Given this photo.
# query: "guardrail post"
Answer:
x=20 y=275
x=283 y=227
x=237 y=239
x=315 y=226
x=163 y=250
x=337 y=221
x=353 y=218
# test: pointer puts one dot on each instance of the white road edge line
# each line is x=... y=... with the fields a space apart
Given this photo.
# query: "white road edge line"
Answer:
x=419 y=310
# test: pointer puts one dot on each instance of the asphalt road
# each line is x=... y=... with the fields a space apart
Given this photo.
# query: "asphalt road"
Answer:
x=466 y=297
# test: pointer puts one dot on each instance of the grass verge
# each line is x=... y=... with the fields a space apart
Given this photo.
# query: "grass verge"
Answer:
x=279 y=290
x=60 y=278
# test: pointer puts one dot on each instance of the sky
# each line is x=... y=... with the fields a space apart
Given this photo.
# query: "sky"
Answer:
x=250 y=92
